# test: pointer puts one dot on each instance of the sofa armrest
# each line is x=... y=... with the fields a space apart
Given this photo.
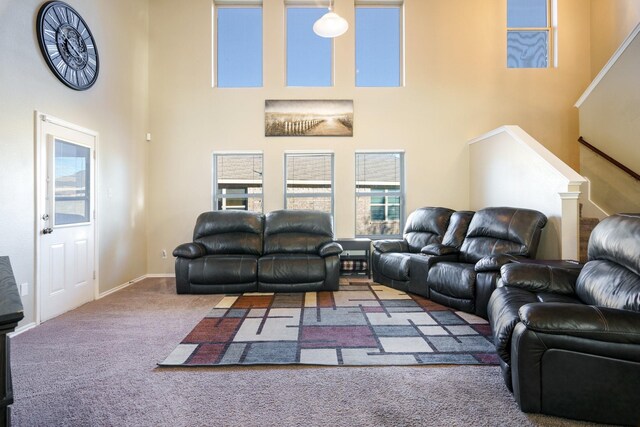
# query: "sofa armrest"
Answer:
x=494 y=262
x=539 y=278
x=190 y=250
x=439 y=249
x=390 y=246
x=583 y=321
x=330 y=248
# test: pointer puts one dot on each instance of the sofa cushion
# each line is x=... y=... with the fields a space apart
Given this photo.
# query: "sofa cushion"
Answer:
x=291 y=268
x=425 y=226
x=611 y=278
x=229 y=232
x=453 y=279
x=394 y=265
x=289 y=231
x=502 y=231
x=224 y=269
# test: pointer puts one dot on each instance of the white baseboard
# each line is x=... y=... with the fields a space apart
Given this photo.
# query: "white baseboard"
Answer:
x=21 y=329
x=131 y=282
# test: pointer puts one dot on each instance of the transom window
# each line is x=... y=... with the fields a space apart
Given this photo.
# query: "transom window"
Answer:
x=238 y=53
x=378 y=45
x=309 y=56
x=379 y=194
x=529 y=33
x=309 y=181
x=237 y=181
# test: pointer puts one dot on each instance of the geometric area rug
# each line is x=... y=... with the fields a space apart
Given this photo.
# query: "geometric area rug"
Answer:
x=361 y=324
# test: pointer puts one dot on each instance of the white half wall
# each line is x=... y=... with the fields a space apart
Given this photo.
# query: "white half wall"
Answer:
x=510 y=168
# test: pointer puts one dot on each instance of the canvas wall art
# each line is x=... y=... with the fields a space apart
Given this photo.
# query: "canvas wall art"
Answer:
x=308 y=117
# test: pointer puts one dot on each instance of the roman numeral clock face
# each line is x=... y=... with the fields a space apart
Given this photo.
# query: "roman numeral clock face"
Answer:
x=67 y=45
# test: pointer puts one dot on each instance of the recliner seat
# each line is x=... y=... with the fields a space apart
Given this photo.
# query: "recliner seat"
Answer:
x=569 y=340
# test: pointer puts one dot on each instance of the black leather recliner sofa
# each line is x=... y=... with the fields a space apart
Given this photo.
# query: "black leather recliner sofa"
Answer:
x=454 y=258
x=240 y=251
x=569 y=340
x=494 y=237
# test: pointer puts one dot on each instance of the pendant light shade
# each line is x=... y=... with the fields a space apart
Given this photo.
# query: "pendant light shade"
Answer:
x=330 y=25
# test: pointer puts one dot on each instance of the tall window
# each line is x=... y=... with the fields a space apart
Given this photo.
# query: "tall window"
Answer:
x=529 y=33
x=237 y=181
x=309 y=181
x=378 y=46
x=238 y=46
x=379 y=194
x=308 y=55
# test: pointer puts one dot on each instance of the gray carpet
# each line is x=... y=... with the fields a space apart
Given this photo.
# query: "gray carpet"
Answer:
x=96 y=366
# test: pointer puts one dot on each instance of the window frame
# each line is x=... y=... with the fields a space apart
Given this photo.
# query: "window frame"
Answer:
x=232 y=4
x=383 y=4
x=304 y=5
x=401 y=194
x=552 y=60
x=288 y=195
x=218 y=196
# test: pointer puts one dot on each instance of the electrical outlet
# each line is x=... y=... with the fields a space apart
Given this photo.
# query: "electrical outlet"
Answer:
x=24 y=289
x=164 y=254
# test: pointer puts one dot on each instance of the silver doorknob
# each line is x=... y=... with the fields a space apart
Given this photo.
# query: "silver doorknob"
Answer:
x=45 y=217
x=47 y=230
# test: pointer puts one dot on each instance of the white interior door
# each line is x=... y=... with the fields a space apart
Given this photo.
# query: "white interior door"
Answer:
x=67 y=219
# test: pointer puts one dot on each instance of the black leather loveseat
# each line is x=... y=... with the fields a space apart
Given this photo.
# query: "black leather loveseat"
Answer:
x=454 y=258
x=239 y=251
x=569 y=340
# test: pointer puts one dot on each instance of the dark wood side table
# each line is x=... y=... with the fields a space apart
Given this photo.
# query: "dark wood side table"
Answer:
x=356 y=256
x=11 y=312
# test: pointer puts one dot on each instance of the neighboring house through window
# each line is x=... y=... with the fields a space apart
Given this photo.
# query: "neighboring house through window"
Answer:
x=379 y=193
x=237 y=181
x=309 y=181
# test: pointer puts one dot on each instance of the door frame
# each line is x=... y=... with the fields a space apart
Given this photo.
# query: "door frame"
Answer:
x=40 y=203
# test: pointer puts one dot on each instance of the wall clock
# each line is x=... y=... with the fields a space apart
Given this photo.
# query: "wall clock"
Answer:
x=67 y=45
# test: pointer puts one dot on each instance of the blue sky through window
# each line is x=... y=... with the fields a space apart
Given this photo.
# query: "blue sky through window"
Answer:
x=308 y=55
x=239 y=37
x=378 y=46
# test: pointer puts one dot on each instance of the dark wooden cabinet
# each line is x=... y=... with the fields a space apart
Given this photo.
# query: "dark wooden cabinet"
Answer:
x=11 y=312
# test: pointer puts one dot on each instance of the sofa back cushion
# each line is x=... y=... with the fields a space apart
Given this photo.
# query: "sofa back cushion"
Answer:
x=425 y=226
x=611 y=278
x=502 y=230
x=230 y=232
x=296 y=231
x=457 y=230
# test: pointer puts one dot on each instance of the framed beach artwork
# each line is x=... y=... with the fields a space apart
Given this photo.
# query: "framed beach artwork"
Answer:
x=308 y=117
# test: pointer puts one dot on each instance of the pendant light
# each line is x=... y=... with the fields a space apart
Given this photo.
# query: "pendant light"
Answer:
x=331 y=24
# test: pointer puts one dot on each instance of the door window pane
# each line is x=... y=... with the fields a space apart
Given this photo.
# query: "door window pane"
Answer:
x=378 y=46
x=71 y=186
x=308 y=55
x=239 y=46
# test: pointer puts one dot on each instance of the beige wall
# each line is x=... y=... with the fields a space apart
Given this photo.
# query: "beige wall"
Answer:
x=611 y=23
x=116 y=107
x=457 y=87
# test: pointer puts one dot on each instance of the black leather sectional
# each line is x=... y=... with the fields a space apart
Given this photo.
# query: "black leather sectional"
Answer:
x=454 y=258
x=240 y=251
x=569 y=340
